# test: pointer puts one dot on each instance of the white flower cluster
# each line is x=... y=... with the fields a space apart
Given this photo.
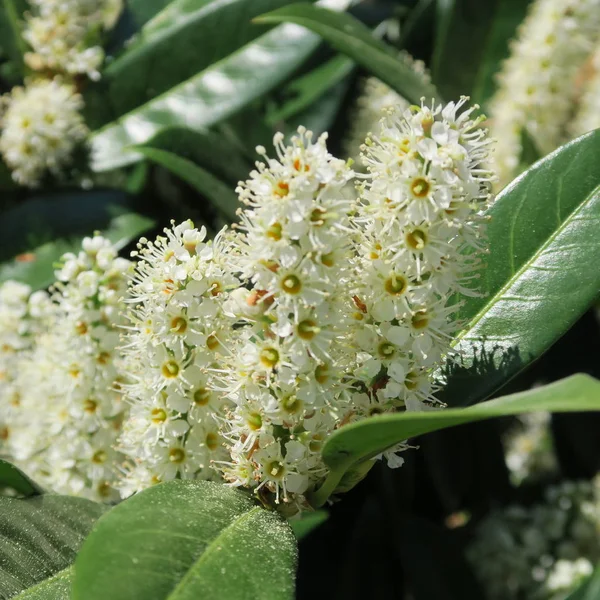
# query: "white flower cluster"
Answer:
x=543 y=551
x=588 y=113
x=290 y=360
x=70 y=409
x=376 y=100
x=528 y=447
x=178 y=334
x=537 y=82
x=23 y=316
x=418 y=243
x=64 y=35
x=40 y=129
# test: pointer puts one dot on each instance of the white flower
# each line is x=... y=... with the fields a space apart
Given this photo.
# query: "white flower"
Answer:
x=65 y=35
x=40 y=130
x=588 y=111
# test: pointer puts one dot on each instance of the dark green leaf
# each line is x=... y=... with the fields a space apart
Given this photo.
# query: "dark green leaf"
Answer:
x=39 y=538
x=308 y=522
x=13 y=478
x=57 y=587
x=207 y=149
x=221 y=195
x=208 y=97
x=187 y=540
x=464 y=33
x=39 y=231
x=11 y=41
x=351 y=37
x=141 y=11
x=185 y=38
x=365 y=439
x=590 y=590
x=543 y=237
x=506 y=20
x=311 y=87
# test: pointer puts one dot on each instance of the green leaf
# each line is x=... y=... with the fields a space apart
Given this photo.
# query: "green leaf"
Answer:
x=36 y=233
x=57 y=587
x=589 y=590
x=221 y=195
x=308 y=522
x=11 y=41
x=210 y=150
x=509 y=14
x=15 y=479
x=141 y=11
x=357 y=442
x=39 y=538
x=187 y=540
x=166 y=52
x=543 y=237
x=209 y=96
x=349 y=36
x=311 y=87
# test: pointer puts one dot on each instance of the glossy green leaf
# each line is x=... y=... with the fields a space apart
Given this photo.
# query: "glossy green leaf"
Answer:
x=537 y=281
x=141 y=11
x=39 y=538
x=208 y=149
x=589 y=590
x=311 y=87
x=13 y=478
x=222 y=196
x=57 y=587
x=186 y=540
x=11 y=41
x=36 y=233
x=182 y=40
x=357 y=442
x=349 y=36
x=208 y=97
x=308 y=522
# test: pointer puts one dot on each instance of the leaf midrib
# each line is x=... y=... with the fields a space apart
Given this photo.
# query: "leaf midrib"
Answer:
x=209 y=549
x=526 y=265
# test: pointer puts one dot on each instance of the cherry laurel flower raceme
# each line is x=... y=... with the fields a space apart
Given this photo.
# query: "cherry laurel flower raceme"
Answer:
x=287 y=373
x=71 y=408
x=178 y=334
x=39 y=130
x=419 y=239
x=588 y=113
x=65 y=35
x=537 y=82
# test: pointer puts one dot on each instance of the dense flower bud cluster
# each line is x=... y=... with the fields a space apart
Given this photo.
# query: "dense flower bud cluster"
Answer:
x=179 y=331
x=419 y=239
x=543 y=551
x=40 y=129
x=537 y=83
x=64 y=35
x=70 y=405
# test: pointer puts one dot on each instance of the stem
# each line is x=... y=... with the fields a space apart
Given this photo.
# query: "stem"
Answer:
x=321 y=495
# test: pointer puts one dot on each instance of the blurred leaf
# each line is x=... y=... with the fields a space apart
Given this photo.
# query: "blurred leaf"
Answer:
x=36 y=233
x=12 y=477
x=207 y=149
x=167 y=50
x=40 y=537
x=209 y=96
x=542 y=236
x=308 y=522
x=141 y=11
x=11 y=41
x=589 y=590
x=188 y=539
x=349 y=36
x=365 y=439
x=465 y=31
x=311 y=87
x=529 y=153
x=509 y=14
x=221 y=195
